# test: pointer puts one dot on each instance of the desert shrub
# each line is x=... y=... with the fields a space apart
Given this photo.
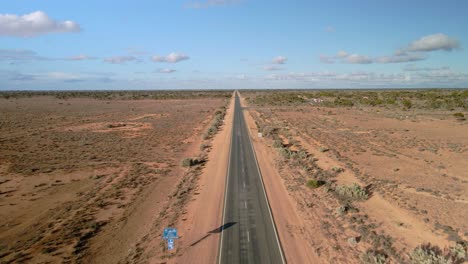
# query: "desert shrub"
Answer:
x=277 y=143
x=323 y=149
x=189 y=162
x=428 y=254
x=341 y=210
x=354 y=192
x=302 y=154
x=343 y=102
x=406 y=103
x=337 y=169
x=373 y=257
x=204 y=146
x=215 y=124
x=268 y=131
x=459 y=115
x=285 y=152
x=314 y=183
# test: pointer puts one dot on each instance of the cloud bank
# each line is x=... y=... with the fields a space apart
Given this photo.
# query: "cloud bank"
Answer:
x=34 y=24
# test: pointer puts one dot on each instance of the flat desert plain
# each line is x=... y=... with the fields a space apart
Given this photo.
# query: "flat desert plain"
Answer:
x=374 y=176
x=95 y=177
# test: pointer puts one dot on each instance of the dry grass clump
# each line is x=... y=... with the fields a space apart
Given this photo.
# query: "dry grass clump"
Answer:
x=373 y=257
x=353 y=192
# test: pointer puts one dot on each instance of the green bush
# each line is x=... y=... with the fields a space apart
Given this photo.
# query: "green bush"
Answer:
x=314 y=183
x=343 y=102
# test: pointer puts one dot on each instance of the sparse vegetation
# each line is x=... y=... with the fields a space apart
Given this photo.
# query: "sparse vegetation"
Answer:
x=373 y=257
x=215 y=123
x=406 y=103
x=277 y=143
x=428 y=254
x=119 y=95
x=313 y=119
x=408 y=99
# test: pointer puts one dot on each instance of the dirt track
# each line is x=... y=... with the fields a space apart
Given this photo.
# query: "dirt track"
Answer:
x=200 y=226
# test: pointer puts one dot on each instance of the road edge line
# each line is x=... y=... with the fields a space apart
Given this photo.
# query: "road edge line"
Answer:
x=283 y=259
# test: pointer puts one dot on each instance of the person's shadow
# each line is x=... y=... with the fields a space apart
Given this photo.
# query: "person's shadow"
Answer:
x=214 y=231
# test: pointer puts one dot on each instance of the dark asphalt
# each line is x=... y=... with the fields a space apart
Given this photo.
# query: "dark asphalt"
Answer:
x=250 y=236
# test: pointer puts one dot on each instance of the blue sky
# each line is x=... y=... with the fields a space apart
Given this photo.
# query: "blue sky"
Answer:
x=215 y=44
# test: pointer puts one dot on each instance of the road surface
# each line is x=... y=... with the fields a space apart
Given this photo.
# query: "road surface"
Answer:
x=248 y=231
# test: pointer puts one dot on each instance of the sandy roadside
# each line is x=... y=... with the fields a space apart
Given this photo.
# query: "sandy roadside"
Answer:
x=296 y=247
x=199 y=229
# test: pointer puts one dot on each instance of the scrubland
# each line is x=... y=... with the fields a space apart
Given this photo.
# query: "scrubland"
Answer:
x=96 y=176
x=377 y=176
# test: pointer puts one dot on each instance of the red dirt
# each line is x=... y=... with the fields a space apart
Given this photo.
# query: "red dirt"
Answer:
x=84 y=180
x=413 y=162
x=199 y=243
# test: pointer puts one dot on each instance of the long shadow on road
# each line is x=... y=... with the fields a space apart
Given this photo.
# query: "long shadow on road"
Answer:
x=214 y=231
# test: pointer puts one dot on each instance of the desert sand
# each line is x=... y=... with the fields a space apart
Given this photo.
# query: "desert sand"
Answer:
x=86 y=180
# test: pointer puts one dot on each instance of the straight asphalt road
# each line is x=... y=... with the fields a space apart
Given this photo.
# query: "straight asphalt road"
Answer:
x=248 y=232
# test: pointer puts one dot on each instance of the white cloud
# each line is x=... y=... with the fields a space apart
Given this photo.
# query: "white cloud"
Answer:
x=342 y=54
x=326 y=59
x=209 y=3
x=279 y=60
x=358 y=59
x=434 y=42
x=401 y=58
x=166 y=70
x=171 y=58
x=33 y=24
x=120 y=59
x=80 y=57
x=272 y=68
